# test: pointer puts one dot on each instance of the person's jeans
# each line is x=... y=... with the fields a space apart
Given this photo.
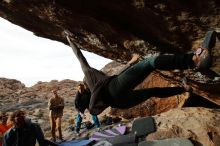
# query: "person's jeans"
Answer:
x=79 y=121
x=96 y=121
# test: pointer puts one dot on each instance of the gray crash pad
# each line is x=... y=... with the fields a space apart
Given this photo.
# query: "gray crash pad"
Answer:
x=143 y=126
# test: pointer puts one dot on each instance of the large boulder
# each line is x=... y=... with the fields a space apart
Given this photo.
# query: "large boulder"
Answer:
x=201 y=125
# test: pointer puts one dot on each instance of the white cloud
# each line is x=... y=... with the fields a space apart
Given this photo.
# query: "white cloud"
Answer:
x=30 y=59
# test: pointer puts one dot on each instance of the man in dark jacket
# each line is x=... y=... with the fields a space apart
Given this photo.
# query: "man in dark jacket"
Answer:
x=81 y=103
x=24 y=132
x=118 y=91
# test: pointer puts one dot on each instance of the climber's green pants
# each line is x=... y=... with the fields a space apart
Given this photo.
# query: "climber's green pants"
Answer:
x=121 y=87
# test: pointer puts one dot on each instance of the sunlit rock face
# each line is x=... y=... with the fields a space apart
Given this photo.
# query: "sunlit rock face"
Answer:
x=116 y=29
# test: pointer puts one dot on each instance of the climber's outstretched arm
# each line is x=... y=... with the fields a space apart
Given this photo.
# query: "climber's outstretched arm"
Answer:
x=83 y=62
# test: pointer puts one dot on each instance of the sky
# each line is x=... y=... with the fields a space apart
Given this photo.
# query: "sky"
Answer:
x=29 y=59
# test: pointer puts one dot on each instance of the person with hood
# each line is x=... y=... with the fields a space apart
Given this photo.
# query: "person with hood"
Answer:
x=118 y=91
x=23 y=132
